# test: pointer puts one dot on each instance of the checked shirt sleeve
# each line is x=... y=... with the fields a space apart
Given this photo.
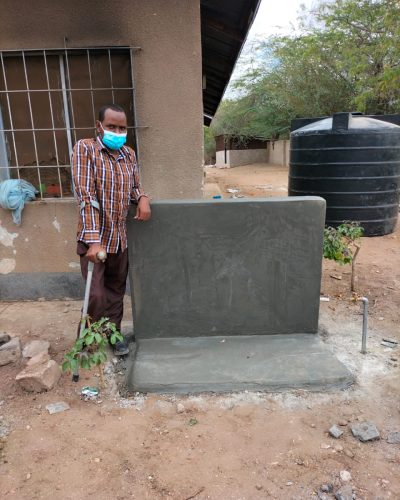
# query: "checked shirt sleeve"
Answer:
x=136 y=191
x=83 y=179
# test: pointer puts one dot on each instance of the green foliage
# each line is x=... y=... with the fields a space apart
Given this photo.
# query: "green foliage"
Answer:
x=366 y=34
x=209 y=143
x=340 y=243
x=90 y=349
x=345 y=58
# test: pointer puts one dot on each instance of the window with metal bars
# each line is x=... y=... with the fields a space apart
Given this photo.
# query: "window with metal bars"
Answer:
x=49 y=99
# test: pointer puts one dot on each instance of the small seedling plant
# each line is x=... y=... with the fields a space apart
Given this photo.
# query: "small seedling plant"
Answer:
x=90 y=348
x=342 y=245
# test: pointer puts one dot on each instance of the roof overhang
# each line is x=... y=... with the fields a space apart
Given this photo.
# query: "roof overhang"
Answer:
x=224 y=28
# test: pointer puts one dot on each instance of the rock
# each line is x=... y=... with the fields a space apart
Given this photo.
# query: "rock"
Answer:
x=322 y=496
x=393 y=437
x=10 y=351
x=348 y=453
x=338 y=448
x=4 y=338
x=325 y=446
x=180 y=408
x=335 y=432
x=345 y=493
x=327 y=488
x=342 y=423
x=258 y=487
x=4 y=429
x=366 y=431
x=57 y=407
x=39 y=378
x=35 y=347
x=345 y=475
x=42 y=357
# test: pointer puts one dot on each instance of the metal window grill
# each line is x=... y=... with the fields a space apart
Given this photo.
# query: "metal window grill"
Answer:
x=48 y=101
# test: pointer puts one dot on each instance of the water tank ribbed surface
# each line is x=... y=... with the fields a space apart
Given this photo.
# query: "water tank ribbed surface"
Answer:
x=354 y=163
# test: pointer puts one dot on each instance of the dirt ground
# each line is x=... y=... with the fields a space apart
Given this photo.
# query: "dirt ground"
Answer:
x=234 y=446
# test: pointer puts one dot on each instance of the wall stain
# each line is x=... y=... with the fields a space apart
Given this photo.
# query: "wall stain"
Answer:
x=7 y=266
x=57 y=225
x=6 y=238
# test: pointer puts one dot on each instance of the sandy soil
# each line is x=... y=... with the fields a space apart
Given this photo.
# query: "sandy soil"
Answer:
x=234 y=446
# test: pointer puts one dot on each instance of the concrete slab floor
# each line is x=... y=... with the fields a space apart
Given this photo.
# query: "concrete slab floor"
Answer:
x=224 y=364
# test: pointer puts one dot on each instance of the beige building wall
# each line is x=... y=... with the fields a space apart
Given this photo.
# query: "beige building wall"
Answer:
x=237 y=157
x=44 y=242
x=168 y=81
x=278 y=152
x=167 y=72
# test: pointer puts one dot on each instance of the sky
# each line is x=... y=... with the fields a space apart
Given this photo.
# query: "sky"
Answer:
x=273 y=17
x=276 y=16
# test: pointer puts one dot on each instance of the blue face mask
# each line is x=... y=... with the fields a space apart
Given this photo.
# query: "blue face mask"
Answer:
x=113 y=140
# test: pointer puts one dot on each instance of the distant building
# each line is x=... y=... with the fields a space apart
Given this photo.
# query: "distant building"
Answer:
x=232 y=152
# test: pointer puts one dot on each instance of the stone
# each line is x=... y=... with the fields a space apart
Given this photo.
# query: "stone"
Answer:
x=338 y=448
x=327 y=488
x=180 y=408
x=345 y=475
x=57 y=407
x=39 y=378
x=10 y=351
x=35 y=347
x=393 y=437
x=335 y=432
x=348 y=453
x=345 y=493
x=322 y=496
x=40 y=358
x=4 y=338
x=366 y=431
x=342 y=423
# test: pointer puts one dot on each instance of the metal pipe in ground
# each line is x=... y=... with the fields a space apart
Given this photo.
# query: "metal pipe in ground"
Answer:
x=364 y=300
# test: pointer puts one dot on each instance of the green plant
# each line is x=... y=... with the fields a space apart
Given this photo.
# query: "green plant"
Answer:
x=90 y=348
x=342 y=245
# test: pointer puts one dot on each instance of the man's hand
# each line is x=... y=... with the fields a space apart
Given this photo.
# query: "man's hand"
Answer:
x=94 y=249
x=143 y=210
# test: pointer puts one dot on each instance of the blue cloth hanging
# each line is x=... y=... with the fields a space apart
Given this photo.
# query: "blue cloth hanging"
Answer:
x=13 y=195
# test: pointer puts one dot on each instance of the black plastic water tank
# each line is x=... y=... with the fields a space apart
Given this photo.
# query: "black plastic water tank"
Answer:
x=354 y=163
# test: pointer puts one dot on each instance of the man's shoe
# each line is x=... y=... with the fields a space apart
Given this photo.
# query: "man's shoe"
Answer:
x=121 y=348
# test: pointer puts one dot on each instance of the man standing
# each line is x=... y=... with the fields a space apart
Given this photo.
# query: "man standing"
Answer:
x=106 y=181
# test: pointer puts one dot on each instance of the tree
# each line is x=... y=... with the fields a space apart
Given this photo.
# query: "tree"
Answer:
x=366 y=34
x=347 y=59
x=342 y=245
x=209 y=145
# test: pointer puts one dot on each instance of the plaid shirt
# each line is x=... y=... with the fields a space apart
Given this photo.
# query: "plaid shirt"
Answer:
x=105 y=187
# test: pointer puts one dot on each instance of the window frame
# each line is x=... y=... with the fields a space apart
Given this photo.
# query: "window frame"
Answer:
x=68 y=106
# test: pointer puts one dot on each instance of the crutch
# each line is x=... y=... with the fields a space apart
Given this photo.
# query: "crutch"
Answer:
x=102 y=256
